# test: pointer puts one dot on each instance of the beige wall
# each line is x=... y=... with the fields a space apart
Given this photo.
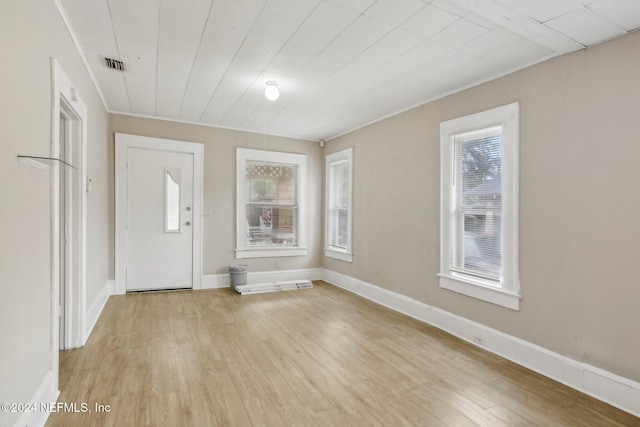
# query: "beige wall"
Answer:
x=219 y=187
x=31 y=32
x=579 y=232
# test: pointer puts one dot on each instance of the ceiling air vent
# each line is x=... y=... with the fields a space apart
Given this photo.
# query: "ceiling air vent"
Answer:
x=114 y=64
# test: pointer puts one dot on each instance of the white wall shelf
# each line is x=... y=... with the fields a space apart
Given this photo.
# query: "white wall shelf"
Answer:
x=42 y=162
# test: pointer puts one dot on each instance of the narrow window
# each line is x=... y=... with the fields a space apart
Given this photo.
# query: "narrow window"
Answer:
x=339 y=176
x=477 y=204
x=479 y=215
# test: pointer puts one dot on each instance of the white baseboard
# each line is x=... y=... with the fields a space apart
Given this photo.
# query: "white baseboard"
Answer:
x=46 y=393
x=214 y=281
x=613 y=389
x=94 y=311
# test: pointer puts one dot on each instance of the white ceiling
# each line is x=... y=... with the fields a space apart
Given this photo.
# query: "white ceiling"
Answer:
x=340 y=64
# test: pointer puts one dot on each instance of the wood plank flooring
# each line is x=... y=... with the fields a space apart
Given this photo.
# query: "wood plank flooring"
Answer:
x=319 y=357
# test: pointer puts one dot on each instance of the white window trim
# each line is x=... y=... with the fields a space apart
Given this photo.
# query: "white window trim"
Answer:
x=507 y=292
x=338 y=254
x=329 y=250
x=242 y=249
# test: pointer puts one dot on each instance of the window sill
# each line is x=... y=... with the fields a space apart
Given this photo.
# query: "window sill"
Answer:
x=481 y=291
x=342 y=256
x=270 y=252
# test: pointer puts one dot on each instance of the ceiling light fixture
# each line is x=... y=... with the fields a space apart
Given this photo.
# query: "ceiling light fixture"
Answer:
x=272 y=92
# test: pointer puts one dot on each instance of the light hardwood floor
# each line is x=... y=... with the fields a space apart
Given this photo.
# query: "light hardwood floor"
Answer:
x=319 y=357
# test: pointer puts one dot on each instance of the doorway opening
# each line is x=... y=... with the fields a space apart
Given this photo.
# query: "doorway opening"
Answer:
x=68 y=211
x=62 y=224
x=70 y=227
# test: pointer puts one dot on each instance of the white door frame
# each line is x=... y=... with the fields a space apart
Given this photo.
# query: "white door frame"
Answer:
x=66 y=101
x=123 y=143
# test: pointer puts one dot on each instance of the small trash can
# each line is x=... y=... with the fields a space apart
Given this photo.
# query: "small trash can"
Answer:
x=237 y=276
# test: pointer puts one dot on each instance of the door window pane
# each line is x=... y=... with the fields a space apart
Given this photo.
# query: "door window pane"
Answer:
x=172 y=199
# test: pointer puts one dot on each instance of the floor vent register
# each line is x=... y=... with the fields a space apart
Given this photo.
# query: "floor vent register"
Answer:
x=261 y=288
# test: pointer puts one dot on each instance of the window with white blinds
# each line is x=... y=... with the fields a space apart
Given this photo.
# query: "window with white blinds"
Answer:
x=338 y=198
x=338 y=215
x=479 y=210
x=477 y=204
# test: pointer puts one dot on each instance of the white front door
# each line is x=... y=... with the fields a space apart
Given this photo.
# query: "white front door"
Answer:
x=159 y=229
x=158 y=213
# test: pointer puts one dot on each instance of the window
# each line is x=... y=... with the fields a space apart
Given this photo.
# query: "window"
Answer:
x=339 y=176
x=271 y=204
x=479 y=206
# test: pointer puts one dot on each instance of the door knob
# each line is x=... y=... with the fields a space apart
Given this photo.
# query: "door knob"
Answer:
x=187 y=223
x=188 y=208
